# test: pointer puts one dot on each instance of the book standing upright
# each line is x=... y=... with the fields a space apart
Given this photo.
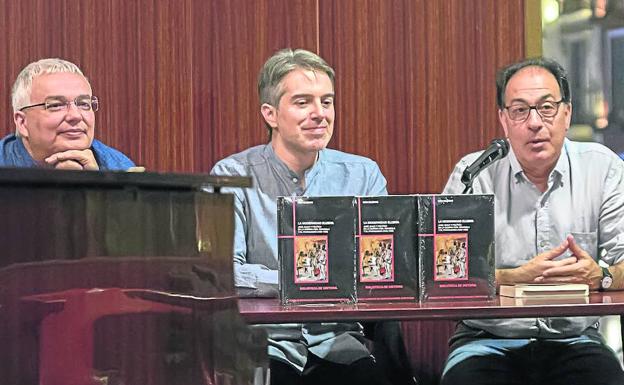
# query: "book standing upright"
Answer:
x=456 y=247
x=387 y=267
x=386 y=248
x=316 y=247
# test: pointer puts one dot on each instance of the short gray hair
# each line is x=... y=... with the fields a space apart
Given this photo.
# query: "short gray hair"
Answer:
x=280 y=64
x=22 y=88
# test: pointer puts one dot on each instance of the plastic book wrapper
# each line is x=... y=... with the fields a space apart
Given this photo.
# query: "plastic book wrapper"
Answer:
x=456 y=247
x=386 y=248
x=387 y=268
x=316 y=247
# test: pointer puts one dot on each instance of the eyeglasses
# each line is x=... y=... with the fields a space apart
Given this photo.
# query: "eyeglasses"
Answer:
x=519 y=111
x=59 y=103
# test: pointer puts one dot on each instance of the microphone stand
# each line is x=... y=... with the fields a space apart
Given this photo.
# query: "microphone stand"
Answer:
x=497 y=149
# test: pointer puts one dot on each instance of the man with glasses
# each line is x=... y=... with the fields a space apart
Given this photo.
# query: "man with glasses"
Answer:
x=54 y=114
x=559 y=211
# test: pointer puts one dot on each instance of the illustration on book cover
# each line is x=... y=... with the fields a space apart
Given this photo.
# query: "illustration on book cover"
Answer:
x=451 y=257
x=311 y=259
x=456 y=246
x=376 y=258
x=317 y=251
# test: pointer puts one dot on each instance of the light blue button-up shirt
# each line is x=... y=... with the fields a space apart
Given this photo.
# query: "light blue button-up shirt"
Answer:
x=585 y=198
x=255 y=240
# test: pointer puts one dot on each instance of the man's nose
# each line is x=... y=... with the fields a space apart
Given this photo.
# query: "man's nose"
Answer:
x=73 y=112
x=318 y=111
x=534 y=120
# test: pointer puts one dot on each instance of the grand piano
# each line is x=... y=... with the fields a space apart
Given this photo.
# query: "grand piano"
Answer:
x=121 y=278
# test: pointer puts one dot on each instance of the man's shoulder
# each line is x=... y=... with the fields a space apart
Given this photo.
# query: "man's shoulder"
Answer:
x=8 y=140
x=334 y=156
x=594 y=160
x=589 y=150
x=13 y=153
x=469 y=158
x=110 y=158
x=240 y=162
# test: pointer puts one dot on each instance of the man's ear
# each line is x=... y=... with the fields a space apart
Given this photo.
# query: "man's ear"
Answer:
x=269 y=113
x=567 y=110
x=503 y=122
x=20 y=124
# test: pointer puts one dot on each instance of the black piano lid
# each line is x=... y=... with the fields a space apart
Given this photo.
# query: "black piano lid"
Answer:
x=41 y=177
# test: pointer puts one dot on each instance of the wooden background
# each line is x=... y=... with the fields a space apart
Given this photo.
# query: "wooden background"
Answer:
x=177 y=78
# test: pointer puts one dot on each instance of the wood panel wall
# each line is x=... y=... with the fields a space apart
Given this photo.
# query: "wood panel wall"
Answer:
x=177 y=78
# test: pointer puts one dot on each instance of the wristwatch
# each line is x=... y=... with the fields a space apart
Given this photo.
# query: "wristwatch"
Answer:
x=607 y=279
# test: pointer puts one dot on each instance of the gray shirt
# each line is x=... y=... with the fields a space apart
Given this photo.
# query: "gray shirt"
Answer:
x=585 y=198
x=255 y=239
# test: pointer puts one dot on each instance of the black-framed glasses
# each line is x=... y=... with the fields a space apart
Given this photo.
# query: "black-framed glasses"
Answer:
x=519 y=111
x=60 y=103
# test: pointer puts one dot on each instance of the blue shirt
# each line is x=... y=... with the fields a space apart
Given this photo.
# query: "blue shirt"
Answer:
x=255 y=239
x=14 y=154
x=584 y=197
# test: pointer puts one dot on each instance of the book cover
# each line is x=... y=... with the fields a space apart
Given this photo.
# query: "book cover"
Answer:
x=316 y=247
x=456 y=246
x=535 y=290
x=386 y=248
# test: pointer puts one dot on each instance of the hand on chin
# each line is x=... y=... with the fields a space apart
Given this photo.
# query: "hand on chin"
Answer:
x=68 y=165
x=73 y=160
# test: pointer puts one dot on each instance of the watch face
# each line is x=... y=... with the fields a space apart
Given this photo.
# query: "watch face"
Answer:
x=606 y=282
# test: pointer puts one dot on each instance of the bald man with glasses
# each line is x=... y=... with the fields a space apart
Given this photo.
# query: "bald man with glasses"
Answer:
x=54 y=115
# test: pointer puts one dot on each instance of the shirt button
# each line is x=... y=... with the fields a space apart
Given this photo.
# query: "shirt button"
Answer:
x=543 y=244
x=295 y=180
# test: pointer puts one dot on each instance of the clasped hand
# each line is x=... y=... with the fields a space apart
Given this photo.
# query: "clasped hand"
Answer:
x=73 y=160
x=580 y=267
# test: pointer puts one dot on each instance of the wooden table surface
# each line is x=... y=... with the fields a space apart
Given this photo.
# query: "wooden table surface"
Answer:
x=269 y=310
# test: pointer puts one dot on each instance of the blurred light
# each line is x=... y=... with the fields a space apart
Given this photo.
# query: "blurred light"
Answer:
x=601 y=109
x=600 y=106
x=601 y=123
x=550 y=11
x=581 y=132
x=600 y=9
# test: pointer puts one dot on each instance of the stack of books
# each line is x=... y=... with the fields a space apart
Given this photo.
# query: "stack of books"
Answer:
x=386 y=248
x=533 y=290
x=544 y=294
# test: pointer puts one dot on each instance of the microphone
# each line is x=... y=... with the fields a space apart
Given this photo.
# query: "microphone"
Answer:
x=498 y=149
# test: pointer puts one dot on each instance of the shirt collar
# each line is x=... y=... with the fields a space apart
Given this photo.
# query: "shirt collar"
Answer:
x=282 y=168
x=561 y=167
x=516 y=169
x=312 y=171
x=277 y=163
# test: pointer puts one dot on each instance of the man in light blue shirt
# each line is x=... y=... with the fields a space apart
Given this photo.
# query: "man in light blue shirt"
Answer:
x=297 y=103
x=559 y=210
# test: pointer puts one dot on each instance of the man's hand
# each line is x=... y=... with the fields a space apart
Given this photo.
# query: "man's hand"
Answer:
x=584 y=270
x=532 y=271
x=73 y=160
